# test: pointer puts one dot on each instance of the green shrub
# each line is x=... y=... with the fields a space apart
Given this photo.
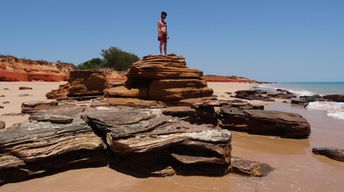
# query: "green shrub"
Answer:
x=117 y=59
x=92 y=64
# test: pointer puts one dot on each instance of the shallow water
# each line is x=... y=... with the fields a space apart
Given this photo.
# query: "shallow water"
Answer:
x=296 y=168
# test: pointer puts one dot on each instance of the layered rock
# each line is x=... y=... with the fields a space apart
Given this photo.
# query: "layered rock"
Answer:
x=32 y=149
x=264 y=95
x=145 y=139
x=263 y=122
x=15 y=69
x=164 y=78
x=81 y=83
x=330 y=152
x=335 y=97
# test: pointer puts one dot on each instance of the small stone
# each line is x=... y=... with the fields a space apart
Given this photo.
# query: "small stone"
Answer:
x=6 y=88
x=24 y=95
x=2 y=125
x=5 y=102
x=25 y=88
x=2 y=96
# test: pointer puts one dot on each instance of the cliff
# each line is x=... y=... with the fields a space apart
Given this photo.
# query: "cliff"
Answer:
x=16 y=69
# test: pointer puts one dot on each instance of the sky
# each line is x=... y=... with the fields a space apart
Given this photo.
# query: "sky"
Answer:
x=266 y=40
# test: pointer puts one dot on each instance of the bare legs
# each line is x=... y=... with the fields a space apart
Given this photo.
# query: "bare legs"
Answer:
x=162 y=43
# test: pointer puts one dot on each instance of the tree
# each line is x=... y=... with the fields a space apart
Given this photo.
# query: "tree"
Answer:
x=117 y=59
x=92 y=64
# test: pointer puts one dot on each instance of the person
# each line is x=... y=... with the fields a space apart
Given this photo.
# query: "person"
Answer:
x=162 y=33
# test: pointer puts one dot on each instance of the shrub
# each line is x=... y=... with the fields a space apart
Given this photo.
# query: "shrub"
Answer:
x=92 y=64
x=117 y=59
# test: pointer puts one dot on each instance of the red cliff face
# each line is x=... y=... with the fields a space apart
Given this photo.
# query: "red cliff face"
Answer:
x=15 y=69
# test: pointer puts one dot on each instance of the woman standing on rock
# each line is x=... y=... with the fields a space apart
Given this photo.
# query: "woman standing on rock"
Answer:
x=162 y=32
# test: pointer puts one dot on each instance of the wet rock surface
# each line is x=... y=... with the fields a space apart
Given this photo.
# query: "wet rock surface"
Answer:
x=249 y=168
x=263 y=122
x=335 y=97
x=330 y=152
x=264 y=95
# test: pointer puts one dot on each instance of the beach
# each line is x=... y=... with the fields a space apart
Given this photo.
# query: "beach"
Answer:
x=295 y=167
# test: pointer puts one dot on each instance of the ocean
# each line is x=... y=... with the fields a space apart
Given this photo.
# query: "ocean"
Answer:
x=333 y=109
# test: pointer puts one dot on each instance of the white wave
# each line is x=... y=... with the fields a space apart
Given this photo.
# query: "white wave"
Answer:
x=301 y=92
x=333 y=109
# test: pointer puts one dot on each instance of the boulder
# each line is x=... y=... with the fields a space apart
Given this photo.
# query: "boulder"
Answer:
x=31 y=149
x=330 y=152
x=249 y=168
x=335 y=97
x=263 y=122
x=2 y=125
x=145 y=138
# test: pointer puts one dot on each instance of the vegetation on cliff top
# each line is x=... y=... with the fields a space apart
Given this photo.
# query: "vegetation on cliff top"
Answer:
x=112 y=58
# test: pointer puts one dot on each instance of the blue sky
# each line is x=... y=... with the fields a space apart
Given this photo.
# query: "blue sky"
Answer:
x=268 y=40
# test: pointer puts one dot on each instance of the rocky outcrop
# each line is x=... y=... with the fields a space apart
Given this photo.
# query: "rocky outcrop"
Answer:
x=335 y=97
x=145 y=138
x=15 y=69
x=235 y=79
x=264 y=95
x=263 y=122
x=32 y=149
x=330 y=152
x=33 y=106
x=81 y=83
x=165 y=78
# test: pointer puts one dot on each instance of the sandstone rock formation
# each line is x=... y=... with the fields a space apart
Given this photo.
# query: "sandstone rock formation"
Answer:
x=32 y=149
x=263 y=122
x=164 y=78
x=81 y=83
x=15 y=69
x=250 y=168
x=145 y=138
x=330 y=152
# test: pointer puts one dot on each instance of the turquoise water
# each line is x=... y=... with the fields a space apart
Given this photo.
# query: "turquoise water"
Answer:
x=311 y=88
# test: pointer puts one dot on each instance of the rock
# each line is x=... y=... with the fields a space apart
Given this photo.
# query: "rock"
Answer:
x=250 y=168
x=299 y=102
x=335 y=97
x=32 y=149
x=122 y=91
x=25 y=88
x=253 y=95
x=2 y=96
x=81 y=84
x=5 y=102
x=2 y=124
x=6 y=88
x=24 y=95
x=145 y=138
x=164 y=78
x=32 y=106
x=330 y=152
x=1 y=107
x=130 y=102
x=16 y=69
x=263 y=122
x=179 y=111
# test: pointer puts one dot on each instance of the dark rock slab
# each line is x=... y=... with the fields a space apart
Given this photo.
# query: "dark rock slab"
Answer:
x=263 y=122
x=31 y=149
x=334 y=97
x=145 y=138
x=25 y=88
x=32 y=106
x=249 y=168
x=330 y=152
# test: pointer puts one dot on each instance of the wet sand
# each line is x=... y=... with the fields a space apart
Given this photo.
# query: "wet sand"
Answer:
x=296 y=168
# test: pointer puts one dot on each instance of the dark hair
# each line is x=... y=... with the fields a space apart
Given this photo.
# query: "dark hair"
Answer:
x=163 y=14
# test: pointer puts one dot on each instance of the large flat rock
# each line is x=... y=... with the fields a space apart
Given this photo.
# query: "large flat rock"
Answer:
x=146 y=134
x=263 y=122
x=34 y=148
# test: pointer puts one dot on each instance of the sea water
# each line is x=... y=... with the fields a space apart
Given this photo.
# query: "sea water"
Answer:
x=333 y=109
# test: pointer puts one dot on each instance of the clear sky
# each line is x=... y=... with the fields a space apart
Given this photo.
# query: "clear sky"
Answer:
x=268 y=40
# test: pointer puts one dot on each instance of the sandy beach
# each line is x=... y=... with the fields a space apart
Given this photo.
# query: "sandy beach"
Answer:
x=295 y=167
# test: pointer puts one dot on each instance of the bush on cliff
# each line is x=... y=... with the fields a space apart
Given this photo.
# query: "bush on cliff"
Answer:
x=112 y=58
